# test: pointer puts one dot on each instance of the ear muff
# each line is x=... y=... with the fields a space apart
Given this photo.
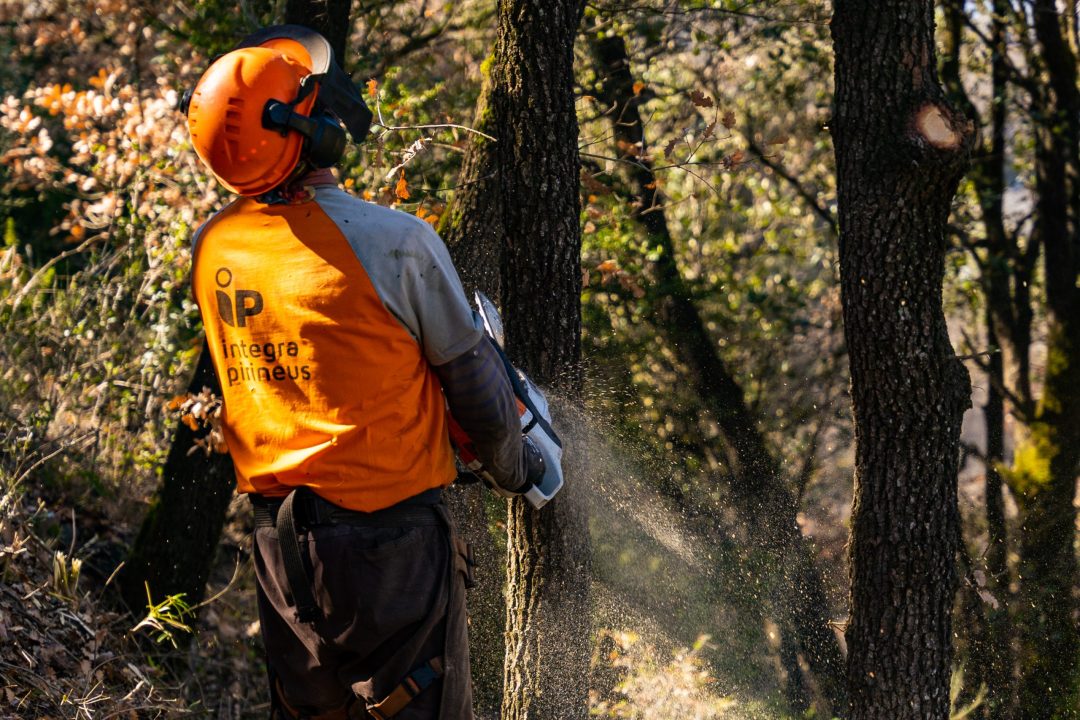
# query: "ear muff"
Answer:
x=324 y=138
x=338 y=95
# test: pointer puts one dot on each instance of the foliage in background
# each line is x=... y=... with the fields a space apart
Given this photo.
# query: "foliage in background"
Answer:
x=100 y=194
x=100 y=197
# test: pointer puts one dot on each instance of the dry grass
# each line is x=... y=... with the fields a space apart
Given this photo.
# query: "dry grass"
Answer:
x=633 y=680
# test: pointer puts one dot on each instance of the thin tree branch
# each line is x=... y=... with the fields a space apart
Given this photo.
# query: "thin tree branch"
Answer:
x=808 y=197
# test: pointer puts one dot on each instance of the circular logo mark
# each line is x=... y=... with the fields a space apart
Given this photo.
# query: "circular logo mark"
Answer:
x=223 y=277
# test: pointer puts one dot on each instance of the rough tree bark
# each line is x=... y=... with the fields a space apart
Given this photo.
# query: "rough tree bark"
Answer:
x=471 y=227
x=757 y=487
x=546 y=673
x=900 y=152
x=174 y=550
x=328 y=17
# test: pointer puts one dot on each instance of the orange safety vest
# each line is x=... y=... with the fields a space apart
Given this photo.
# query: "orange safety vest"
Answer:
x=323 y=320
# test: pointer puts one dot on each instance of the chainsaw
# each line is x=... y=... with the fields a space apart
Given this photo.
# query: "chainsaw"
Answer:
x=535 y=423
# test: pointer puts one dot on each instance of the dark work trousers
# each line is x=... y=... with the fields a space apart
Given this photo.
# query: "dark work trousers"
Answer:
x=392 y=598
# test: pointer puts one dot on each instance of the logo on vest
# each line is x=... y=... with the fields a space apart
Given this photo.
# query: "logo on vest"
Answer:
x=235 y=311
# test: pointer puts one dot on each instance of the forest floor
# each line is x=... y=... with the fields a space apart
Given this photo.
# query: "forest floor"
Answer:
x=70 y=652
x=676 y=638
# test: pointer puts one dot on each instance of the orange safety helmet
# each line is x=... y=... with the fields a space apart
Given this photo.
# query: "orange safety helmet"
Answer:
x=258 y=111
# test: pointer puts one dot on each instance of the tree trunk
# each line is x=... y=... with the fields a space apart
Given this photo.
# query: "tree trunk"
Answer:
x=996 y=655
x=330 y=18
x=546 y=674
x=900 y=152
x=758 y=487
x=472 y=230
x=174 y=550
x=472 y=226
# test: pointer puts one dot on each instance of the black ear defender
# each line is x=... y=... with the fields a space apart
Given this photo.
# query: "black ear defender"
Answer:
x=185 y=101
x=325 y=140
x=339 y=98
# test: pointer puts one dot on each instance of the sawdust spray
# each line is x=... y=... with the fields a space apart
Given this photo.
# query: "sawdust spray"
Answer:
x=680 y=623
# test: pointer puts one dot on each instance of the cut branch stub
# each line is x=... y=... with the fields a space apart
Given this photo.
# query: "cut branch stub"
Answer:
x=939 y=127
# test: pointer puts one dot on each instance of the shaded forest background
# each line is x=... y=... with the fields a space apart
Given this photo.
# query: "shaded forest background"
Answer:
x=710 y=415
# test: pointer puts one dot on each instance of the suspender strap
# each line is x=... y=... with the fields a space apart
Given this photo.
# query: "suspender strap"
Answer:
x=299 y=582
x=416 y=682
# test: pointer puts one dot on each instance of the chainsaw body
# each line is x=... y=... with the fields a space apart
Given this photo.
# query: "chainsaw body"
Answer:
x=535 y=423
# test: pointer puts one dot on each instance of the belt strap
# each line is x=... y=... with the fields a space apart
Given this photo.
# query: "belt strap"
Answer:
x=310 y=511
x=299 y=582
x=416 y=682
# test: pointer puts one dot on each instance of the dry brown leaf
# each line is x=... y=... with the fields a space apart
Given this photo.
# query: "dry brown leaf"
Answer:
x=631 y=149
x=700 y=99
x=401 y=189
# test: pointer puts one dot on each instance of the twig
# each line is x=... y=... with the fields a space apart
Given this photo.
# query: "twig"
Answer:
x=388 y=128
x=228 y=586
x=682 y=166
x=730 y=12
x=114 y=573
x=23 y=475
x=1020 y=408
x=40 y=273
x=71 y=548
x=808 y=197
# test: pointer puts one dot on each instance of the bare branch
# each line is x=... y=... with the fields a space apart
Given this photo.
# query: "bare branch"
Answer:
x=801 y=190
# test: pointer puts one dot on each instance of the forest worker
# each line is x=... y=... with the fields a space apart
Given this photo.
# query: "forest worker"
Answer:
x=340 y=333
